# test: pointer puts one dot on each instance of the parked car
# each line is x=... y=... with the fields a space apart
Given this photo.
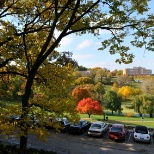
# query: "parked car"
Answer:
x=118 y=132
x=32 y=120
x=141 y=134
x=98 y=128
x=81 y=127
x=64 y=124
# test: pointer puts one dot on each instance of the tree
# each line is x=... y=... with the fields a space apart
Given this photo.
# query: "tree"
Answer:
x=83 y=80
x=79 y=93
x=137 y=102
x=29 y=39
x=119 y=73
x=144 y=104
x=113 y=101
x=99 y=91
x=81 y=68
x=124 y=80
x=101 y=74
x=89 y=106
x=127 y=91
x=148 y=86
x=115 y=87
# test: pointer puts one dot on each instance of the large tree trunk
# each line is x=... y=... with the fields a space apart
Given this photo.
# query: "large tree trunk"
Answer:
x=89 y=115
x=25 y=105
x=151 y=115
x=23 y=140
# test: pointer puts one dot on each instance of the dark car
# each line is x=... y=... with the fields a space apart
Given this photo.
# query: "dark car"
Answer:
x=81 y=127
x=141 y=134
x=64 y=124
x=117 y=132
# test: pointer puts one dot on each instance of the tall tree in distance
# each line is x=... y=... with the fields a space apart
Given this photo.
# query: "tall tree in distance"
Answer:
x=113 y=101
x=28 y=36
x=99 y=91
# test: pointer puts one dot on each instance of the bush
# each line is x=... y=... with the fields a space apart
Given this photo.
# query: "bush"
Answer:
x=129 y=114
x=13 y=149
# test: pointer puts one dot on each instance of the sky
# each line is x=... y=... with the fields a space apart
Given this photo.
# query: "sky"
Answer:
x=85 y=52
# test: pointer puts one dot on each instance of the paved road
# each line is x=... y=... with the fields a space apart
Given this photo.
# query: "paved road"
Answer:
x=65 y=143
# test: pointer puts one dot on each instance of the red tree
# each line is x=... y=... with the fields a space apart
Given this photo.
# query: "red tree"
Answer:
x=89 y=106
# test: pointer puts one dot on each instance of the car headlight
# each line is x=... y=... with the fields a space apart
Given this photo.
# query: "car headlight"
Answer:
x=135 y=135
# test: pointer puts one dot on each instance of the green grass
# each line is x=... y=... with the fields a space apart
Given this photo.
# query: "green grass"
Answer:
x=129 y=121
x=107 y=87
x=9 y=102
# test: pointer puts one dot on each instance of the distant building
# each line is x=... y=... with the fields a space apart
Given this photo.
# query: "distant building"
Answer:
x=137 y=71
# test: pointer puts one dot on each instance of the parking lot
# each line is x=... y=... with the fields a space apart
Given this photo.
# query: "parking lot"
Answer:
x=67 y=143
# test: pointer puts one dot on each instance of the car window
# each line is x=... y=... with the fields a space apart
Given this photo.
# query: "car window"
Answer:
x=142 y=131
x=82 y=123
x=116 y=129
x=103 y=125
x=97 y=126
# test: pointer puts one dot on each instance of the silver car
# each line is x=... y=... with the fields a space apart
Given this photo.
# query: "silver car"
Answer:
x=141 y=134
x=98 y=128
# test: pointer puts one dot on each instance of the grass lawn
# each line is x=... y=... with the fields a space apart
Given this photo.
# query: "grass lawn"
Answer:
x=129 y=121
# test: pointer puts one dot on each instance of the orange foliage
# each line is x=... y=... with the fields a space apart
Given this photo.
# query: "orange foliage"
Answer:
x=80 y=93
x=89 y=106
x=129 y=114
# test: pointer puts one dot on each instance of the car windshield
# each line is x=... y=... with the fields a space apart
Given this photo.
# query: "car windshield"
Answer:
x=116 y=129
x=96 y=126
x=142 y=131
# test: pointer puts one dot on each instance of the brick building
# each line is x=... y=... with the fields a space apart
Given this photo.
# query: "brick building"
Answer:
x=137 y=71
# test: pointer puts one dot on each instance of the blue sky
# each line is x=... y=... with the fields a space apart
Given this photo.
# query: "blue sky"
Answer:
x=86 y=53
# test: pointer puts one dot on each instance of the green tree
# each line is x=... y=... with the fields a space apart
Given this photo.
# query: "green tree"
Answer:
x=113 y=101
x=144 y=104
x=28 y=36
x=137 y=102
x=81 y=68
x=99 y=91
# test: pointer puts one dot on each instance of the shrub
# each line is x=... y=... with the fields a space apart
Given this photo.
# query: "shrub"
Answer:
x=129 y=114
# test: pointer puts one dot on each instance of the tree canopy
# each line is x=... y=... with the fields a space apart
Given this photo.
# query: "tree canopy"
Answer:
x=89 y=106
x=79 y=93
x=113 y=101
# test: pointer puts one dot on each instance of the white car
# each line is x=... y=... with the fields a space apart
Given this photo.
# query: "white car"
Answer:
x=141 y=134
x=98 y=128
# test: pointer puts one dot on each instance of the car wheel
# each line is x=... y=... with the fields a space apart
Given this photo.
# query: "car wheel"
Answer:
x=82 y=131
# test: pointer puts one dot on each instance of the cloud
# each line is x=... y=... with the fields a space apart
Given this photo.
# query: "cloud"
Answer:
x=84 y=44
x=66 y=41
